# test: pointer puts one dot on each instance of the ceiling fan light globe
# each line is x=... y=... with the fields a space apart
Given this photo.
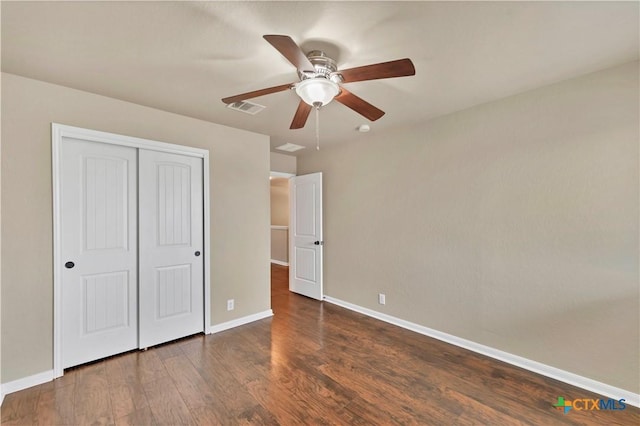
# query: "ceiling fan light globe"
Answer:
x=317 y=90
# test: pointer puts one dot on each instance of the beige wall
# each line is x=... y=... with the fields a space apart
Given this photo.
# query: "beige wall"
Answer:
x=280 y=201
x=513 y=224
x=280 y=217
x=239 y=165
x=283 y=163
x=280 y=244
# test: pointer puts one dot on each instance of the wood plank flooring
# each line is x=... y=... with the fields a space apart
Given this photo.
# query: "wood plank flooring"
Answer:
x=312 y=363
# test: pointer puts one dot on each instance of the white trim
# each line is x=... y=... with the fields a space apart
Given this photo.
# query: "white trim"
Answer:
x=281 y=175
x=26 y=382
x=60 y=131
x=241 y=321
x=534 y=366
x=56 y=141
x=207 y=242
x=279 y=262
x=280 y=227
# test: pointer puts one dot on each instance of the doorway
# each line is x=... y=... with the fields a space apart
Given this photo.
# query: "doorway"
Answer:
x=296 y=231
x=279 y=184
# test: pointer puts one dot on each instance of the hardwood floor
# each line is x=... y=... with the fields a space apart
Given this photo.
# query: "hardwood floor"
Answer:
x=312 y=363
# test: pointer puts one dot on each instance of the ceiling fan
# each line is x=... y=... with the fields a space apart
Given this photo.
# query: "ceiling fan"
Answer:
x=321 y=81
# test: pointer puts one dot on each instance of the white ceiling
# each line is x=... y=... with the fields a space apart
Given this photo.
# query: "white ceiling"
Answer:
x=184 y=57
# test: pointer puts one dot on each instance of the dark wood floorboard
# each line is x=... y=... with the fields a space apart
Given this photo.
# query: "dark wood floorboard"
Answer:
x=312 y=363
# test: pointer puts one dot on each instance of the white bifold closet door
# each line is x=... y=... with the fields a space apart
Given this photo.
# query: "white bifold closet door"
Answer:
x=131 y=244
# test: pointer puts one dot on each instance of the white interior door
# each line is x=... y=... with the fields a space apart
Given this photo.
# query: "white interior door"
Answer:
x=171 y=247
x=305 y=262
x=98 y=250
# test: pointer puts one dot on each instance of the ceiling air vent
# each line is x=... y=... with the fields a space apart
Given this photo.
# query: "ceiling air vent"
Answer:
x=246 y=107
x=290 y=147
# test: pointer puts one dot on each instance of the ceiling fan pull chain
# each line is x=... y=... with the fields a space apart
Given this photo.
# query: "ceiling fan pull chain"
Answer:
x=317 y=105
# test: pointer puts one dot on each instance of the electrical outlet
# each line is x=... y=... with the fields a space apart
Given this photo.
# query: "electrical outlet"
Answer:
x=382 y=299
x=230 y=305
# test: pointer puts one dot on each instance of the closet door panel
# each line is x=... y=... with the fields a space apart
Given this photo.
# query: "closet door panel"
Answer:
x=98 y=201
x=171 y=243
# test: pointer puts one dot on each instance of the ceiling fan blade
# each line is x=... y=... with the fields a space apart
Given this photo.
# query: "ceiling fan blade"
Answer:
x=359 y=105
x=397 y=68
x=302 y=113
x=256 y=93
x=290 y=50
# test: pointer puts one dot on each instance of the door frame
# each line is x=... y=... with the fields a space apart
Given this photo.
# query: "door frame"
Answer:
x=281 y=175
x=60 y=131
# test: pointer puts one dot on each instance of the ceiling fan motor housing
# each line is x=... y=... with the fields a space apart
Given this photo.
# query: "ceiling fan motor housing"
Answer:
x=324 y=66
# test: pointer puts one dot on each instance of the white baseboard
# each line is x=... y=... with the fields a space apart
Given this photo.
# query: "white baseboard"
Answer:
x=241 y=321
x=279 y=262
x=534 y=366
x=47 y=376
x=26 y=382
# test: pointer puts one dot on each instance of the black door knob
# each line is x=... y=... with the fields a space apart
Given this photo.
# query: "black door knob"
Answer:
x=316 y=243
x=69 y=265
x=197 y=253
